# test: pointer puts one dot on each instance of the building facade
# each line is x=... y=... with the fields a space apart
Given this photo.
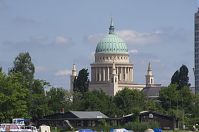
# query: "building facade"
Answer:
x=196 y=52
x=112 y=70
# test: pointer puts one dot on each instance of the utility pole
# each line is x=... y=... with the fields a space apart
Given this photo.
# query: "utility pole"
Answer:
x=183 y=125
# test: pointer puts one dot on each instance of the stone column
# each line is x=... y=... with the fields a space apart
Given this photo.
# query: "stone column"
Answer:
x=131 y=73
x=107 y=73
x=125 y=73
x=119 y=73
x=122 y=74
x=104 y=74
x=100 y=74
x=96 y=74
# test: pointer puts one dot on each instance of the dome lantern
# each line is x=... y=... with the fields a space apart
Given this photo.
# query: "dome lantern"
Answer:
x=111 y=28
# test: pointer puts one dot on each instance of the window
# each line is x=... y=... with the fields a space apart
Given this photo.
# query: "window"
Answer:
x=196 y=26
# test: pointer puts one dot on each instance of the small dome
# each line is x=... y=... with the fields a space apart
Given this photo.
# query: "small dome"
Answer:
x=111 y=44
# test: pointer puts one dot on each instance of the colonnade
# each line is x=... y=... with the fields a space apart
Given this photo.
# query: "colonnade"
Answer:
x=103 y=73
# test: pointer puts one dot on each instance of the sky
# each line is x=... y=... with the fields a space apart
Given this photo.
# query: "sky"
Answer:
x=60 y=33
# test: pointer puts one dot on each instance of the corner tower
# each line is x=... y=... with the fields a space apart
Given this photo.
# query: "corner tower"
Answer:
x=73 y=77
x=149 y=76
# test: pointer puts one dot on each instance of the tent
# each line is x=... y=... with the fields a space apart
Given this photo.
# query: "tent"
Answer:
x=85 y=130
x=120 y=130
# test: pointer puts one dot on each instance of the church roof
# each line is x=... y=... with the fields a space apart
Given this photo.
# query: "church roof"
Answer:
x=111 y=43
x=152 y=92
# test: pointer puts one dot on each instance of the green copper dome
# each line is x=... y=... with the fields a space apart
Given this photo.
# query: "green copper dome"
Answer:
x=111 y=43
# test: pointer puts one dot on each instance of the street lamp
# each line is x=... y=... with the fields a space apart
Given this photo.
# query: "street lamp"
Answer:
x=194 y=80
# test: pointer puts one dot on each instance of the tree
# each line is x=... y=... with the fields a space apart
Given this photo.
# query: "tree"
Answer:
x=37 y=100
x=23 y=64
x=96 y=101
x=58 y=99
x=129 y=101
x=169 y=97
x=13 y=97
x=180 y=77
x=176 y=102
x=81 y=83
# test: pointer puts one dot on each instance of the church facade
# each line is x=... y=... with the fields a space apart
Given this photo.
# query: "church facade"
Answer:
x=112 y=70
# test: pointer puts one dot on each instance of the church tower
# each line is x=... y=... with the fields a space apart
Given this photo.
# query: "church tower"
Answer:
x=149 y=76
x=73 y=76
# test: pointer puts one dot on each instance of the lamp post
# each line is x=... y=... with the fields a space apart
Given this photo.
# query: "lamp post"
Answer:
x=194 y=80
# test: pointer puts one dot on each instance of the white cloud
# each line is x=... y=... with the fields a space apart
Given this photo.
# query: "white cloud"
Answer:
x=95 y=38
x=134 y=37
x=62 y=40
x=133 y=51
x=64 y=72
x=40 y=69
x=131 y=37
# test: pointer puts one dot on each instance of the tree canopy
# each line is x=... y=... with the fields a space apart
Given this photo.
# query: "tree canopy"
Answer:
x=81 y=83
x=180 y=77
x=13 y=97
x=58 y=99
x=22 y=95
x=24 y=65
x=129 y=101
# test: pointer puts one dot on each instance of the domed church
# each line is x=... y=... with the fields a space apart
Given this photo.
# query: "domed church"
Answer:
x=112 y=71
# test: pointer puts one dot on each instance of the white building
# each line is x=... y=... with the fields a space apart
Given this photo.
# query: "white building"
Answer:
x=112 y=71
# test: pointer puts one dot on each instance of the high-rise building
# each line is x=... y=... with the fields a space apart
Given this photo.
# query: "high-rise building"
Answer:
x=196 y=46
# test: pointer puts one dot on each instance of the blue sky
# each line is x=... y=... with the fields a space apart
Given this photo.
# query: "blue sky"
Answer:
x=58 y=33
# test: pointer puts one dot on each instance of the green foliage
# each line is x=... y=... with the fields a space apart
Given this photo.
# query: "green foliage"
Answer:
x=152 y=105
x=21 y=95
x=104 y=126
x=196 y=105
x=95 y=101
x=37 y=100
x=12 y=97
x=129 y=101
x=81 y=83
x=58 y=99
x=23 y=64
x=170 y=97
x=180 y=77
